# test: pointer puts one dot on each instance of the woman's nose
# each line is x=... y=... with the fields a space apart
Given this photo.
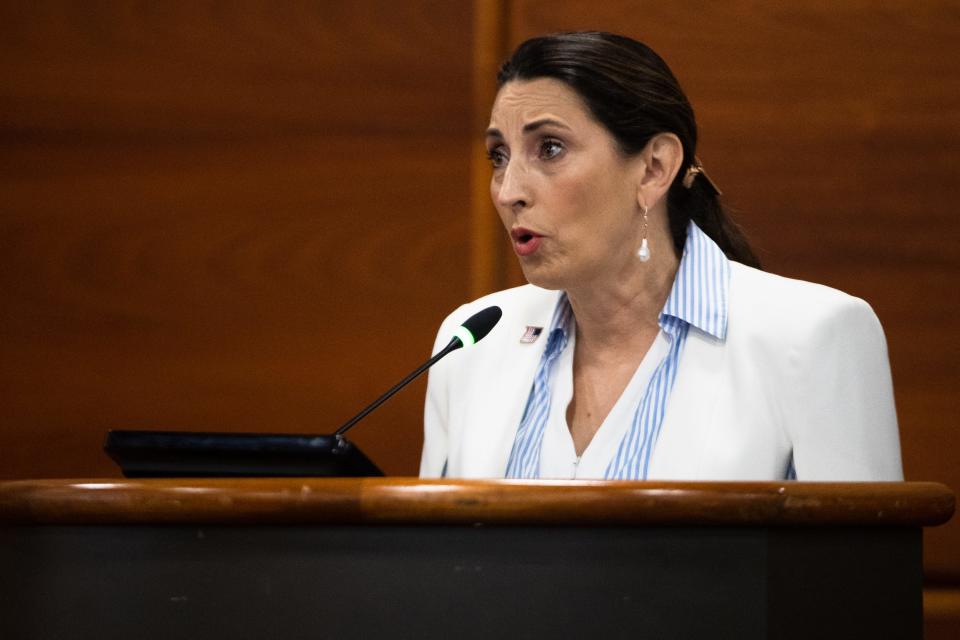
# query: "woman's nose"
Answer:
x=512 y=191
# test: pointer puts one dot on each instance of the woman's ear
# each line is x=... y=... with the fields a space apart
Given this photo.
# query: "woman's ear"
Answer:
x=662 y=158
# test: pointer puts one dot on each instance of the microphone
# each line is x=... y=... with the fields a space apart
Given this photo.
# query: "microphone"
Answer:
x=472 y=331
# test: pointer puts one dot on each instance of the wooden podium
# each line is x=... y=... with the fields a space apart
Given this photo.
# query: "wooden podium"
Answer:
x=405 y=558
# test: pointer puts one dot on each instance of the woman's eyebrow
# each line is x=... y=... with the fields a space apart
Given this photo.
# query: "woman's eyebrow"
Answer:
x=493 y=132
x=536 y=124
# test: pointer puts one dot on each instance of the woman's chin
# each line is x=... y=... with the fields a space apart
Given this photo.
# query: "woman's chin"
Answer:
x=542 y=277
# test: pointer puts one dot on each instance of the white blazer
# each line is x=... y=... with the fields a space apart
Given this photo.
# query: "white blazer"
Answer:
x=802 y=372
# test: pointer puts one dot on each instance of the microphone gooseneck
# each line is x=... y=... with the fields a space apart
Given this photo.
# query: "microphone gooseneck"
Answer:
x=473 y=330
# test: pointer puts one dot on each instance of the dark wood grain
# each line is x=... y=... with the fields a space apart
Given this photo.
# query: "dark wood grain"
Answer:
x=408 y=500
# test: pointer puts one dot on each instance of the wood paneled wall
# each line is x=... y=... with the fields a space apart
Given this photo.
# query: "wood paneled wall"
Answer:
x=225 y=216
x=252 y=217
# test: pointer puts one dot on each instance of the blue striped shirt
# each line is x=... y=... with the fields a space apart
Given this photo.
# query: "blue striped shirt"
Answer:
x=698 y=298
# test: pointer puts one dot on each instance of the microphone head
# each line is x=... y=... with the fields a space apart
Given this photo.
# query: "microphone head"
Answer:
x=478 y=326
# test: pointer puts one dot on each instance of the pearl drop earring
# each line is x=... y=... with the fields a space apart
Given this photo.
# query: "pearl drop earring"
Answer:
x=644 y=252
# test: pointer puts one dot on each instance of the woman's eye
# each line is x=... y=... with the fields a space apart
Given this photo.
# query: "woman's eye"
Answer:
x=497 y=157
x=550 y=149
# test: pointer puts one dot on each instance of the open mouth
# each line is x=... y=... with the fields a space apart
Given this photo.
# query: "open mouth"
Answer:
x=525 y=242
x=522 y=235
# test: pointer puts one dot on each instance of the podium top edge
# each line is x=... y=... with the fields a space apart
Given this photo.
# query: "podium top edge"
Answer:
x=373 y=501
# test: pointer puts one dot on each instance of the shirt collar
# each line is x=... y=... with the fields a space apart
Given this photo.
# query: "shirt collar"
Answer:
x=698 y=297
x=700 y=290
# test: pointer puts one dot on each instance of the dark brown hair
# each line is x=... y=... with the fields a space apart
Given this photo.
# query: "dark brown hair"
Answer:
x=631 y=91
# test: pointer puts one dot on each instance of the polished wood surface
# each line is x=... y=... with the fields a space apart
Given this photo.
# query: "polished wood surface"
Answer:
x=409 y=500
x=380 y=559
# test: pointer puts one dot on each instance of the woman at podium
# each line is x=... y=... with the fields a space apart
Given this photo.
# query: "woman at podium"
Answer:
x=648 y=343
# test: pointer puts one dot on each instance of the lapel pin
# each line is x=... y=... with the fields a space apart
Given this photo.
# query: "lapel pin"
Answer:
x=531 y=334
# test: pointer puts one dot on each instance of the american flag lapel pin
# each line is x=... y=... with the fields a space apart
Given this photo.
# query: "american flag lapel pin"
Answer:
x=531 y=334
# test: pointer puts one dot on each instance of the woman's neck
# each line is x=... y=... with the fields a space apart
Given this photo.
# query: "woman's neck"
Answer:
x=625 y=305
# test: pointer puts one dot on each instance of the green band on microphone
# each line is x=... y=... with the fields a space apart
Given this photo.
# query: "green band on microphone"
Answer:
x=465 y=336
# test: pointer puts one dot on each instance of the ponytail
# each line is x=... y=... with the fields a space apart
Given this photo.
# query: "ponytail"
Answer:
x=701 y=204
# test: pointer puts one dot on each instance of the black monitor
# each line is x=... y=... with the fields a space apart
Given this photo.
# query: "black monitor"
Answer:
x=197 y=454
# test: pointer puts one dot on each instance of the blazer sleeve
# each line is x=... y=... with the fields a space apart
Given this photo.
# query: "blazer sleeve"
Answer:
x=433 y=459
x=840 y=414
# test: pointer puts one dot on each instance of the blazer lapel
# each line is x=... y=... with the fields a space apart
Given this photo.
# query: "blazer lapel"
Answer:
x=493 y=427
